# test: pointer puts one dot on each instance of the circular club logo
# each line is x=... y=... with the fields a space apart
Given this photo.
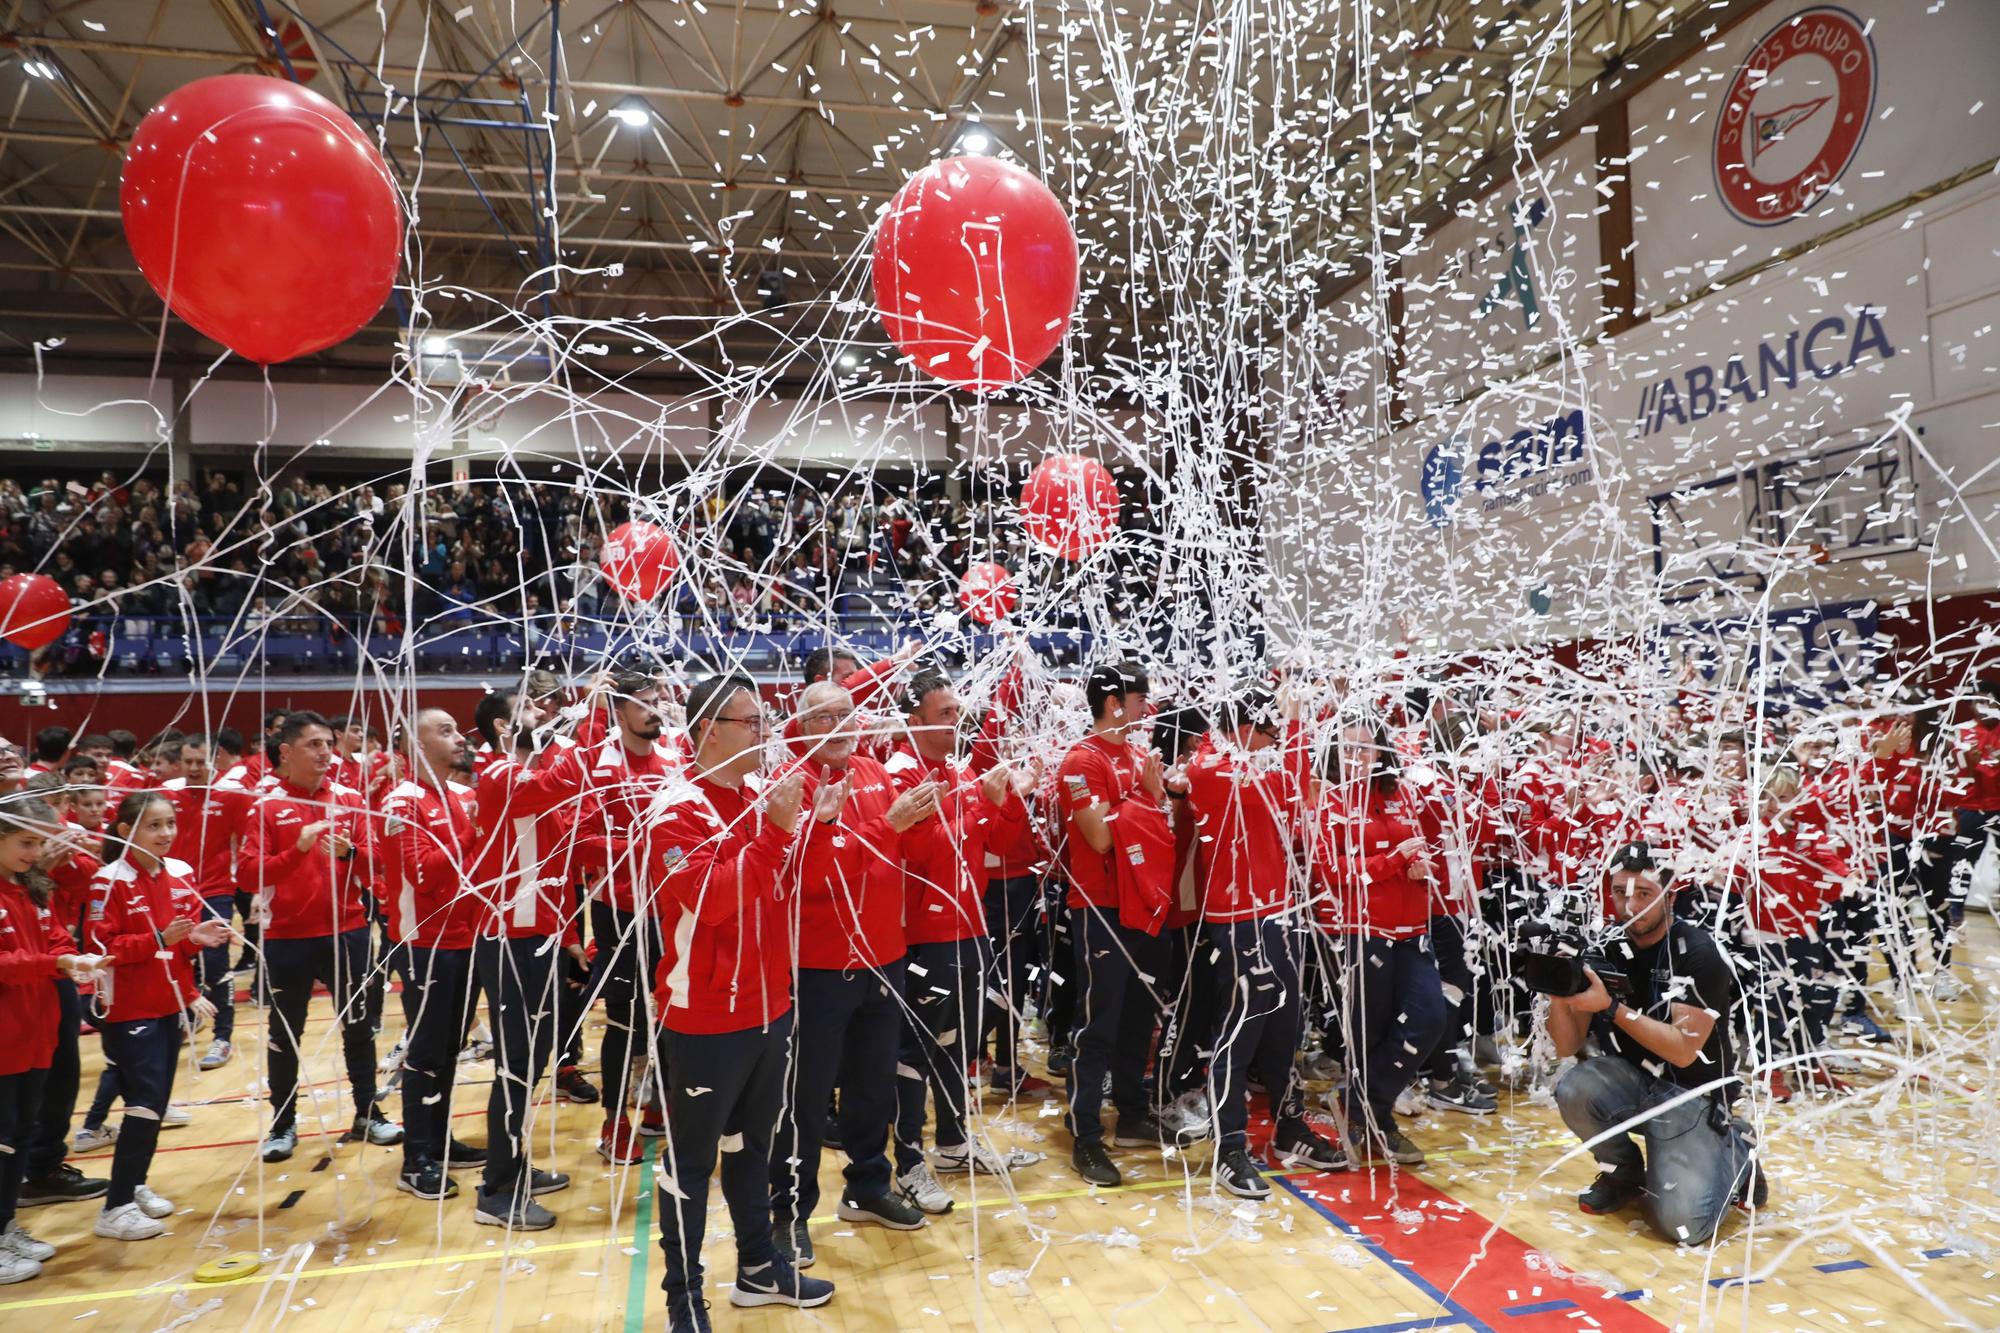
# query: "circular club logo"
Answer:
x=1794 y=115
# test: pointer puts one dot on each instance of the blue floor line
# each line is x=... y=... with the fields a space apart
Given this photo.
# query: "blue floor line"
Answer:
x=1540 y=1307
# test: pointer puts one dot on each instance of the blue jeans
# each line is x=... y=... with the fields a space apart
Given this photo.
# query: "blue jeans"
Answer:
x=849 y=1027
x=1693 y=1170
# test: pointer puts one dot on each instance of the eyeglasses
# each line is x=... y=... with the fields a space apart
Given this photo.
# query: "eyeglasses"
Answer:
x=836 y=717
x=757 y=720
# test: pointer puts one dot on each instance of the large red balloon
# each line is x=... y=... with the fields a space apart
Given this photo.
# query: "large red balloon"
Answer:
x=262 y=215
x=1070 y=505
x=34 y=611
x=988 y=593
x=640 y=560
x=975 y=271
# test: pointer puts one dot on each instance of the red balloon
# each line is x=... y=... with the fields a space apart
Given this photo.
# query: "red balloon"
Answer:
x=640 y=560
x=34 y=611
x=975 y=271
x=262 y=215
x=988 y=593
x=1070 y=505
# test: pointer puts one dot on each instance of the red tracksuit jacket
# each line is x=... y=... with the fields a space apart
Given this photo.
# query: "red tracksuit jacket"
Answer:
x=524 y=818
x=721 y=868
x=308 y=894
x=30 y=943
x=427 y=860
x=130 y=908
x=851 y=875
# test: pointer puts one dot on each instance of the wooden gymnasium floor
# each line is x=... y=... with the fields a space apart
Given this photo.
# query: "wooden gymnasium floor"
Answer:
x=1883 y=1216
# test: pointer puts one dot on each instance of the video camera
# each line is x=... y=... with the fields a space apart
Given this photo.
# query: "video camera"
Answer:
x=1552 y=962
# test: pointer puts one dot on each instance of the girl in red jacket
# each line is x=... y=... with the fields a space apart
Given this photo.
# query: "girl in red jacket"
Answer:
x=148 y=921
x=34 y=952
x=1376 y=866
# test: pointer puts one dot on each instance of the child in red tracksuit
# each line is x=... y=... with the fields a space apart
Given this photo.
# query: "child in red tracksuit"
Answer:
x=34 y=952
x=147 y=919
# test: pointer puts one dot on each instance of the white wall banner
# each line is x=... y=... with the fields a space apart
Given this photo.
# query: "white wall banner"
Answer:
x=1506 y=282
x=1802 y=118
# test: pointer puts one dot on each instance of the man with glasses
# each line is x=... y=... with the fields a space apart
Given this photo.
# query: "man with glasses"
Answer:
x=850 y=979
x=625 y=773
x=724 y=992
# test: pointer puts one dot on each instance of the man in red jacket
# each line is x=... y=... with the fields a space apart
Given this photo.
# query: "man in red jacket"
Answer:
x=426 y=863
x=524 y=816
x=724 y=997
x=850 y=982
x=207 y=814
x=1245 y=804
x=626 y=771
x=1118 y=967
x=306 y=852
x=944 y=920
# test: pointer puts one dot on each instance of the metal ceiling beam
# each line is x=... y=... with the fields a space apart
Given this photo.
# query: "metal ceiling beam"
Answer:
x=707 y=95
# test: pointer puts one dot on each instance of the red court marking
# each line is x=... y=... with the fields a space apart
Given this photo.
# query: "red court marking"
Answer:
x=1481 y=1268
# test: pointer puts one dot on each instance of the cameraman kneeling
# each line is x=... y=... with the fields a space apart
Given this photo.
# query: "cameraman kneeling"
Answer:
x=1667 y=1033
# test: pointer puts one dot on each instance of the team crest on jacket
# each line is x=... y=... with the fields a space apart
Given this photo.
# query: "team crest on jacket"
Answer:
x=1793 y=118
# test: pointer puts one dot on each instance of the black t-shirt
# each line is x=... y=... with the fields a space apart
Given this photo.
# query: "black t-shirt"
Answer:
x=1686 y=966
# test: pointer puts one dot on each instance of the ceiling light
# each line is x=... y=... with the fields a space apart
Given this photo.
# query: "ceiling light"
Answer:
x=634 y=116
x=975 y=141
x=849 y=361
x=436 y=345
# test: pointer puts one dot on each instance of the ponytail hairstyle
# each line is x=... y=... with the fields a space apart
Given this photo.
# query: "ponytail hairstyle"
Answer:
x=30 y=814
x=130 y=811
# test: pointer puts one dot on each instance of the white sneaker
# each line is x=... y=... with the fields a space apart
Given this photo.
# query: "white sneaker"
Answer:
x=478 y=1046
x=1412 y=1101
x=219 y=1052
x=175 y=1117
x=1906 y=1007
x=90 y=1140
x=13 y=1268
x=127 y=1222
x=392 y=1063
x=1946 y=987
x=1187 y=1115
x=21 y=1245
x=151 y=1204
x=980 y=1157
x=921 y=1184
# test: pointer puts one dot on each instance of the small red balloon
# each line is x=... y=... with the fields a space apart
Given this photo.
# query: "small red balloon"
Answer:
x=34 y=611
x=262 y=215
x=640 y=560
x=975 y=271
x=988 y=593
x=1070 y=505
